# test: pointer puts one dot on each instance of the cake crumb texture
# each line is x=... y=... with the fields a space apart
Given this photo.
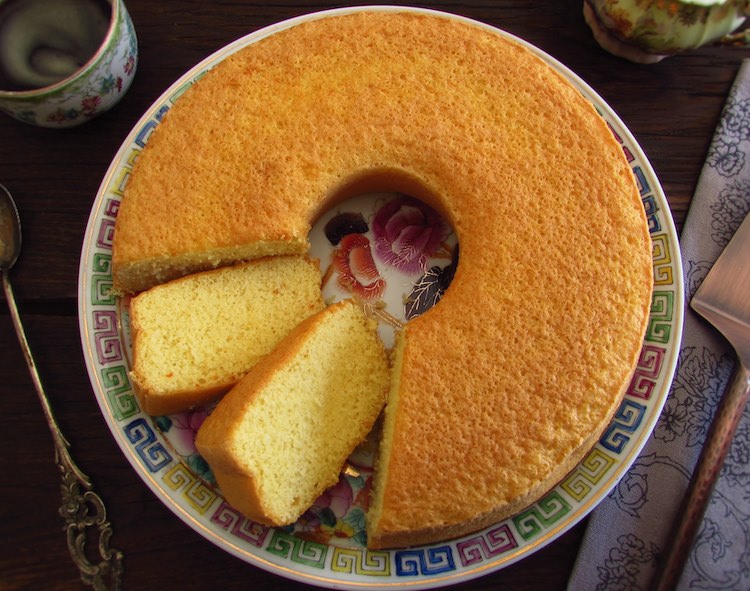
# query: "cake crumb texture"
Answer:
x=195 y=337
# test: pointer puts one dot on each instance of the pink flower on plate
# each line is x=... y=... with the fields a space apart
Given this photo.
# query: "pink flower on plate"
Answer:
x=357 y=271
x=326 y=518
x=407 y=232
x=338 y=498
x=183 y=430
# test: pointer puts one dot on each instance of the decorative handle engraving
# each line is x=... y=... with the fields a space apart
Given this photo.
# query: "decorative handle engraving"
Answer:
x=86 y=525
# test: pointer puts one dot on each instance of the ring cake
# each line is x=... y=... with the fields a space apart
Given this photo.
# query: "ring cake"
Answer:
x=502 y=387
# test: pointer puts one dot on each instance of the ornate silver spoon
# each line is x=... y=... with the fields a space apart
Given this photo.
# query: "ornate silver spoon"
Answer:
x=82 y=509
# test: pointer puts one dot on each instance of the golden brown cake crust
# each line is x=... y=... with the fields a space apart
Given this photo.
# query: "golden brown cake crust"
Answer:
x=509 y=380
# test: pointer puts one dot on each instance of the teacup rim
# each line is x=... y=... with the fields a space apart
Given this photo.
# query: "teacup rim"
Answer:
x=42 y=91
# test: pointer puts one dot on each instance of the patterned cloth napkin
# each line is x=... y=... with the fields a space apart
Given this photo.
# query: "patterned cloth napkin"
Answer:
x=630 y=527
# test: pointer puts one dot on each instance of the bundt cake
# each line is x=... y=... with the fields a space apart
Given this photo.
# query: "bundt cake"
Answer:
x=504 y=385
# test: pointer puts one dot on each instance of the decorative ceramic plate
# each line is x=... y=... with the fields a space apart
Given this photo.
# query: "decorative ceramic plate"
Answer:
x=326 y=546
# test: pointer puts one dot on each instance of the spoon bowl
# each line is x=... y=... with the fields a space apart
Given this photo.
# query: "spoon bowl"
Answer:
x=10 y=231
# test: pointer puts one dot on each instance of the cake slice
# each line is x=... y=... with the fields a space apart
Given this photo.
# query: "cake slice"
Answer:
x=195 y=337
x=280 y=437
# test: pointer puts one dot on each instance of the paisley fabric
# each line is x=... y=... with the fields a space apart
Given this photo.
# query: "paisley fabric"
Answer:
x=628 y=531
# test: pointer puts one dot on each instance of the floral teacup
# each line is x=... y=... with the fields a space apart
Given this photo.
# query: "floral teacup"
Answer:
x=47 y=86
x=647 y=31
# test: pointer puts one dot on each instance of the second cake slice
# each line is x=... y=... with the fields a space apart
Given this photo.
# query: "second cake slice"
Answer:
x=280 y=437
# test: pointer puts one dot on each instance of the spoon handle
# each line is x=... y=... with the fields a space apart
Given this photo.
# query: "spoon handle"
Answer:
x=81 y=508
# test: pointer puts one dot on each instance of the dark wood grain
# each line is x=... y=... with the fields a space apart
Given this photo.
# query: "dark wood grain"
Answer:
x=672 y=109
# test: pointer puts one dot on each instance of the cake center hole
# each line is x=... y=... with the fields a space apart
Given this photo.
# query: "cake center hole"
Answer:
x=393 y=252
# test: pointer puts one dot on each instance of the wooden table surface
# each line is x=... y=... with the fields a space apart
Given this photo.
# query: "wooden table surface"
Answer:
x=671 y=108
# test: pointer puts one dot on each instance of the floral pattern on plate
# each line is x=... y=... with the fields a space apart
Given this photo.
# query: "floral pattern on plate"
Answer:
x=388 y=250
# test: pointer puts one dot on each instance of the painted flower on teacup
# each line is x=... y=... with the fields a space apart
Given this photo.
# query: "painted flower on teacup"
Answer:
x=647 y=31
